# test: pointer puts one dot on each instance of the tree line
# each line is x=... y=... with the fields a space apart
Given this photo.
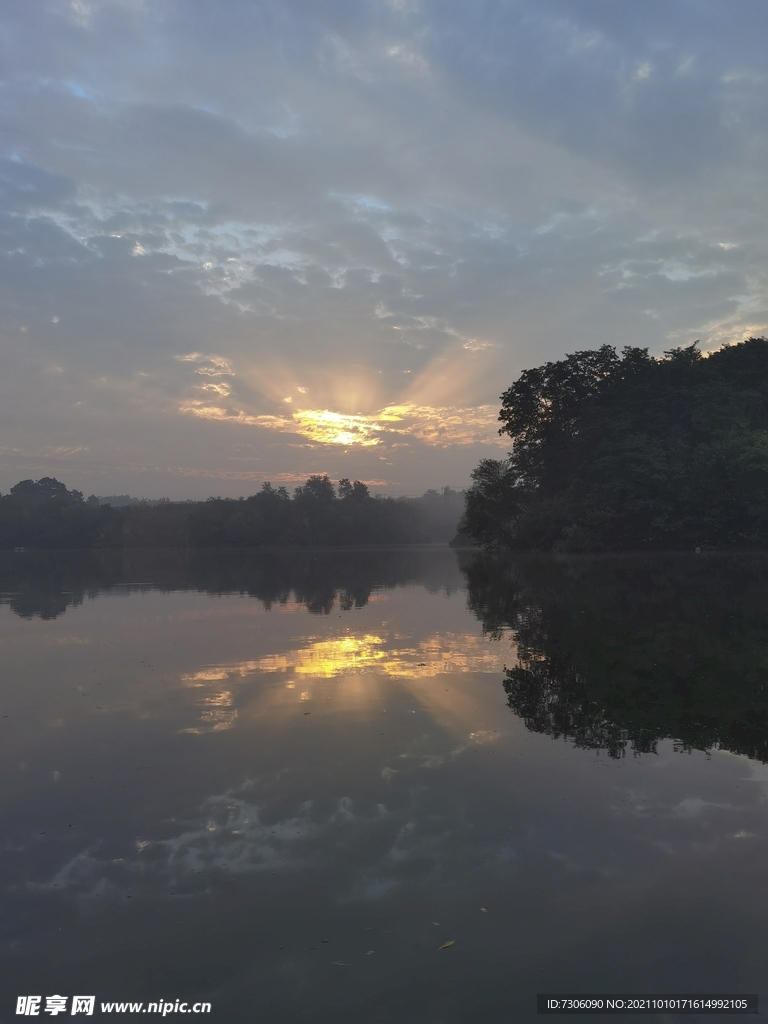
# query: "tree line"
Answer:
x=629 y=451
x=44 y=514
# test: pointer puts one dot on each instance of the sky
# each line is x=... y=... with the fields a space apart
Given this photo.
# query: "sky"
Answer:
x=259 y=239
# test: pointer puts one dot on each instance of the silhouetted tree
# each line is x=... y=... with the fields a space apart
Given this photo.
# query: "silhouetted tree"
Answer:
x=631 y=451
x=45 y=514
x=495 y=504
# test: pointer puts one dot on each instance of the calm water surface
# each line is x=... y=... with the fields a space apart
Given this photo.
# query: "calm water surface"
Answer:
x=281 y=782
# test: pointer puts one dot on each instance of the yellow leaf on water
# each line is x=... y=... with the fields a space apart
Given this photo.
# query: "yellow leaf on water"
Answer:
x=445 y=945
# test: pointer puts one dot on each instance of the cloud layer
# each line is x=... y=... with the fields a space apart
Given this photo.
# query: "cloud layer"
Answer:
x=261 y=240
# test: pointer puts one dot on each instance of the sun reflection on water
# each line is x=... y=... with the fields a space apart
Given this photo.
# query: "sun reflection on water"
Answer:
x=348 y=672
x=326 y=659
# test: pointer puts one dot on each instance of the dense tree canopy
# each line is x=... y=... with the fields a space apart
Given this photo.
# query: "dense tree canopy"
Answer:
x=622 y=451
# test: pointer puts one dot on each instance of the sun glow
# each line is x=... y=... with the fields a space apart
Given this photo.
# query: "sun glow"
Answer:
x=433 y=410
x=433 y=426
x=335 y=428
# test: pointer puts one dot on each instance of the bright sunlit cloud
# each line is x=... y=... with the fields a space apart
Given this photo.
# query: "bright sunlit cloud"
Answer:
x=432 y=426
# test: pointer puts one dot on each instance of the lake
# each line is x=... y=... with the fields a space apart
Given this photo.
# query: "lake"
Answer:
x=281 y=782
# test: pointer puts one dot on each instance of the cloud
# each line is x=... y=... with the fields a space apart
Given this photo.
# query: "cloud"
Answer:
x=394 y=206
x=445 y=427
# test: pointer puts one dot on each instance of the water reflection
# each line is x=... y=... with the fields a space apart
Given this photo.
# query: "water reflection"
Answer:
x=349 y=672
x=45 y=583
x=220 y=794
x=326 y=659
x=620 y=653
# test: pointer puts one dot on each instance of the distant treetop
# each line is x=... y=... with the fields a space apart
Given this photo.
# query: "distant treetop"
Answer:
x=47 y=488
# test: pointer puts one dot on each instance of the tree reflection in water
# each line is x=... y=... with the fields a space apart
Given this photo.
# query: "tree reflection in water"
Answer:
x=621 y=652
x=45 y=583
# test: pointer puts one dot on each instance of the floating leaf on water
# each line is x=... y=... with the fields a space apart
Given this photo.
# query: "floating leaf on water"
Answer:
x=445 y=945
x=370 y=951
x=483 y=910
